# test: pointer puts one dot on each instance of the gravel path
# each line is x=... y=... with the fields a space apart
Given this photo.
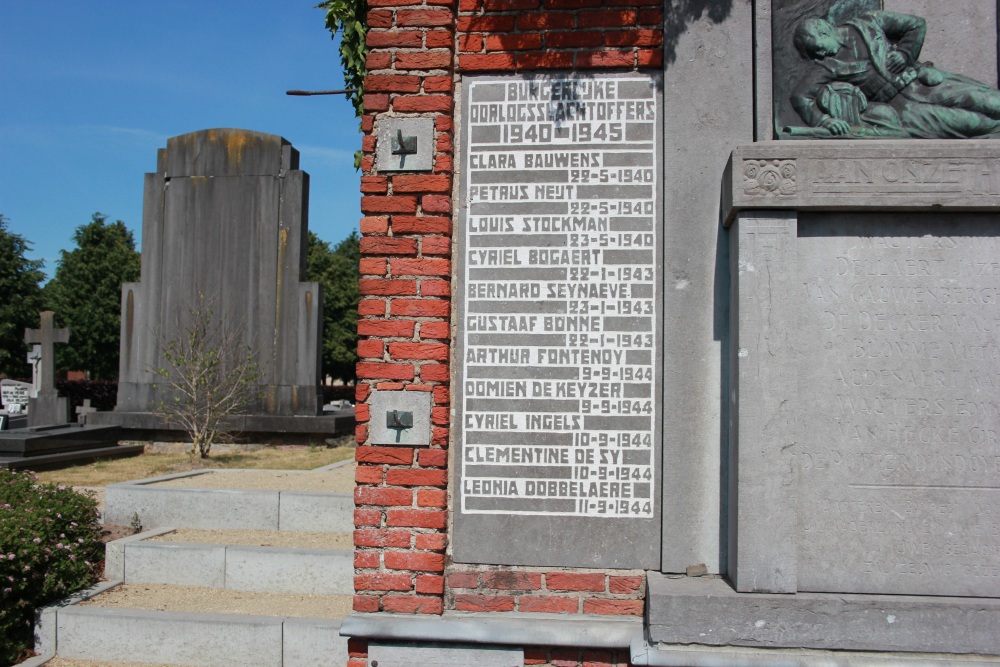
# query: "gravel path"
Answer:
x=338 y=480
x=196 y=599
x=261 y=538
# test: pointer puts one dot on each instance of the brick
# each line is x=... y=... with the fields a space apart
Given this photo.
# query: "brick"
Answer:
x=379 y=204
x=430 y=584
x=470 y=5
x=367 y=560
x=534 y=655
x=423 y=17
x=607 y=18
x=606 y=58
x=422 y=103
x=415 y=477
x=431 y=541
x=361 y=411
x=412 y=604
x=359 y=662
x=546 y=20
x=435 y=373
x=360 y=433
x=565 y=657
x=369 y=474
x=440 y=416
x=377 y=370
x=365 y=603
x=419 y=387
x=376 y=60
x=489 y=62
x=392 y=83
x=509 y=5
x=547 y=604
x=545 y=60
x=375 y=102
x=357 y=648
x=373 y=266
x=383 y=581
x=399 y=39
x=463 y=580
x=652 y=17
x=469 y=602
x=514 y=42
x=650 y=58
x=444 y=163
x=613 y=607
x=432 y=351
x=569 y=581
x=367 y=517
x=433 y=458
x=375 y=185
x=417 y=518
x=633 y=38
x=508 y=580
x=371 y=307
x=387 y=455
x=439 y=436
x=385 y=287
x=573 y=4
x=470 y=43
x=423 y=60
x=380 y=495
x=405 y=266
x=389 y=386
x=368 y=144
x=386 y=328
x=438 y=84
x=362 y=392
x=396 y=539
x=370 y=349
x=435 y=245
x=625 y=585
x=486 y=23
x=419 y=308
x=444 y=144
x=367 y=123
x=435 y=203
x=598 y=659
x=372 y=224
x=432 y=498
x=577 y=38
x=428 y=224
x=434 y=329
x=414 y=561
x=421 y=183
x=439 y=38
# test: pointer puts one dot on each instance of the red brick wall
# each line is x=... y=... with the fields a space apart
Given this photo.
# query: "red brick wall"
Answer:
x=417 y=47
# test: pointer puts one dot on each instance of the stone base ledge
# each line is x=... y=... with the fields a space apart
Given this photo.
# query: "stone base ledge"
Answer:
x=498 y=629
x=337 y=423
x=709 y=612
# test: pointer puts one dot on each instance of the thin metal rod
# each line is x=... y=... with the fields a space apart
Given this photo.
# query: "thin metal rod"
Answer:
x=347 y=91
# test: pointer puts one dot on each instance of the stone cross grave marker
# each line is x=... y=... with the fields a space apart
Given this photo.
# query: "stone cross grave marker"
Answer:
x=47 y=336
x=47 y=407
x=35 y=359
x=84 y=410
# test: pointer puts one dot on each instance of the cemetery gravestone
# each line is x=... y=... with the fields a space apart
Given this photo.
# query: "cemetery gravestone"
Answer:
x=47 y=407
x=559 y=321
x=14 y=395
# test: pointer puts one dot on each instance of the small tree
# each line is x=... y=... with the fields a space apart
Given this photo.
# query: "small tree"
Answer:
x=337 y=270
x=210 y=375
x=22 y=299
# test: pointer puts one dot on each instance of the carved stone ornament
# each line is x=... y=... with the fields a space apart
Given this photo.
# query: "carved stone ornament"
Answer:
x=769 y=178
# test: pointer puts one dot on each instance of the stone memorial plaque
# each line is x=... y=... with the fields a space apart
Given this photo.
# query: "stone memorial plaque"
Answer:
x=559 y=321
x=13 y=392
x=899 y=387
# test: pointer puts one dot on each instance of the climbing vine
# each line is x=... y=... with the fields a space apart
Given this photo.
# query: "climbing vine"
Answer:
x=350 y=18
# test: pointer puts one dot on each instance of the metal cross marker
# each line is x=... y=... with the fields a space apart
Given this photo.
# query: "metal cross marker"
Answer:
x=48 y=336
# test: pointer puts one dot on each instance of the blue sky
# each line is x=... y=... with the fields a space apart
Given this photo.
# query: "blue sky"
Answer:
x=90 y=90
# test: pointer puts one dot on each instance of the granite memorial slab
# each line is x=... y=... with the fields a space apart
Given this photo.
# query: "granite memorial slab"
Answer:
x=14 y=395
x=559 y=321
x=865 y=455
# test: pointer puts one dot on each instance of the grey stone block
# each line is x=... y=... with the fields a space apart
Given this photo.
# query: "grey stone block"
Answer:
x=46 y=618
x=279 y=570
x=191 y=508
x=416 y=403
x=418 y=136
x=179 y=563
x=708 y=611
x=205 y=640
x=311 y=642
x=398 y=654
x=114 y=552
x=316 y=512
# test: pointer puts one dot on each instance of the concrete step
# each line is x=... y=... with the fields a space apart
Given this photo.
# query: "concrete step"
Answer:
x=159 y=506
x=167 y=625
x=247 y=567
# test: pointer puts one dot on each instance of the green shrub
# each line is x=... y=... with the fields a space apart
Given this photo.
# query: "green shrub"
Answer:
x=49 y=547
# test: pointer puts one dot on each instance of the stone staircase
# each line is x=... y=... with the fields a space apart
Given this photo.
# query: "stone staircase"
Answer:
x=222 y=577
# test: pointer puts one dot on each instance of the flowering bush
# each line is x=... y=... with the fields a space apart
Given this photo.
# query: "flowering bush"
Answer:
x=49 y=547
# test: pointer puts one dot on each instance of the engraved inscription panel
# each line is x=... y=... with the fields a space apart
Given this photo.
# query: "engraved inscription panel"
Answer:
x=899 y=451
x=558 y=306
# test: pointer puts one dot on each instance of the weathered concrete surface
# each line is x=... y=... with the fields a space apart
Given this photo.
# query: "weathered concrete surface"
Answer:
x=708 y=611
